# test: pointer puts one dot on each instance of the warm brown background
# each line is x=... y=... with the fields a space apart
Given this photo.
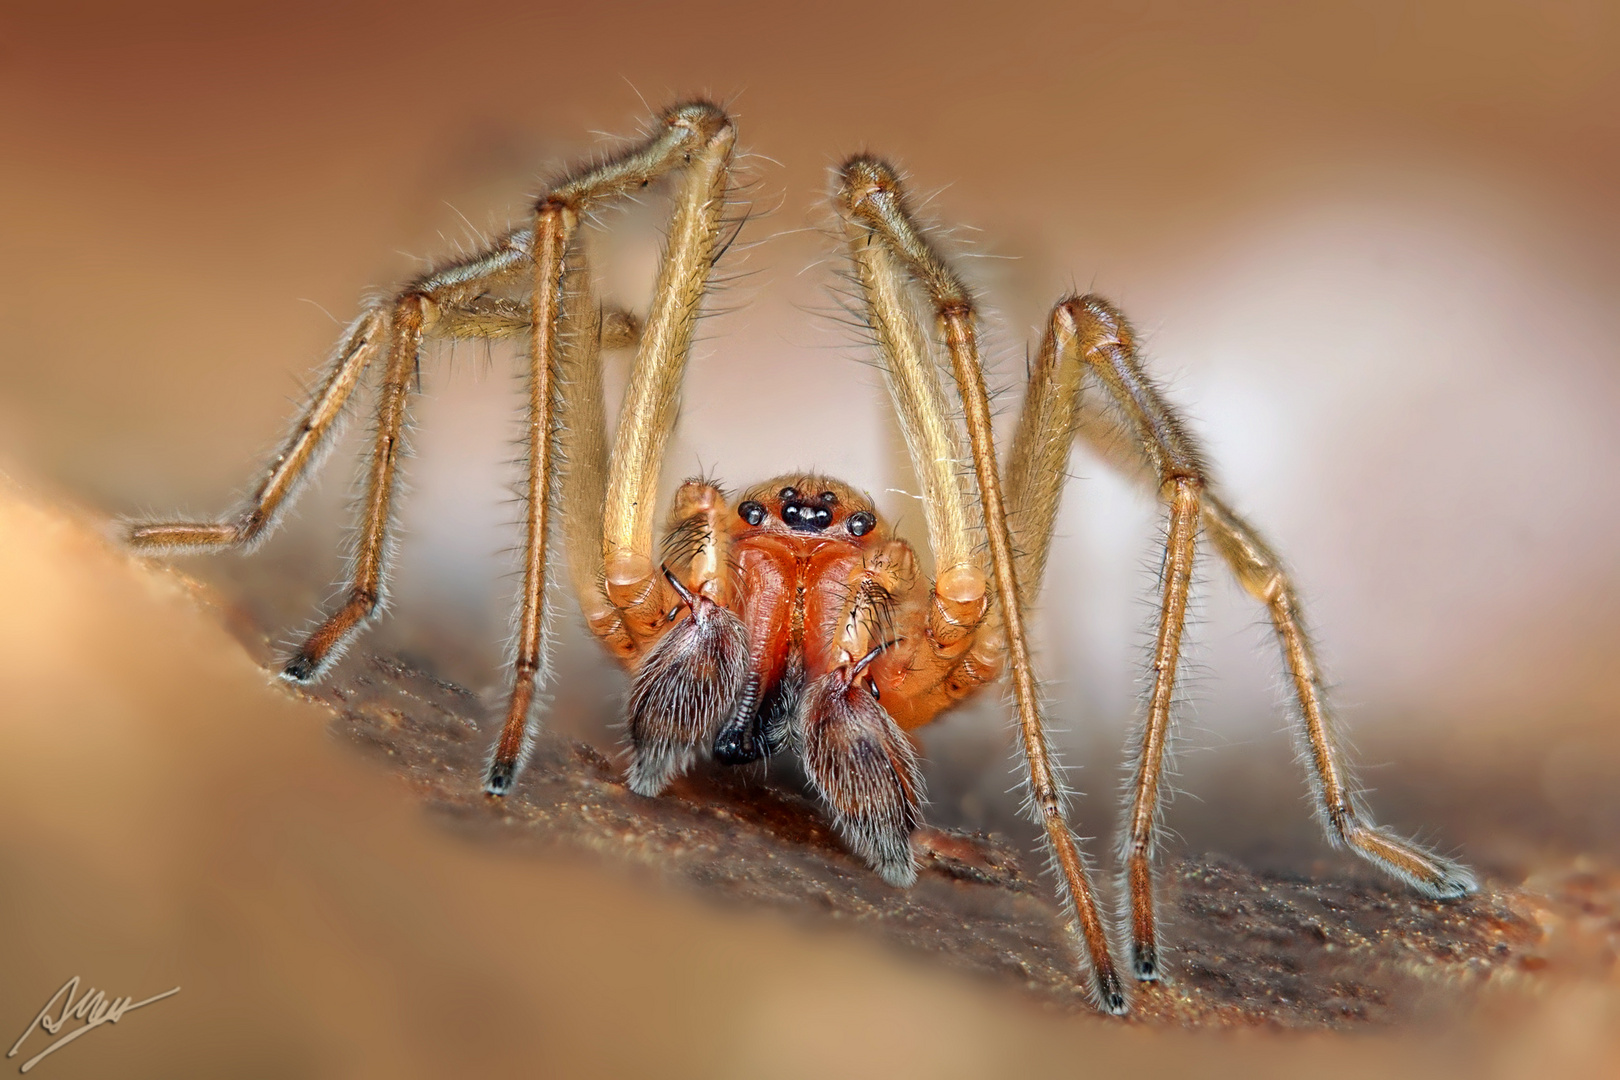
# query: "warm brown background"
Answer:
x=1373 y=251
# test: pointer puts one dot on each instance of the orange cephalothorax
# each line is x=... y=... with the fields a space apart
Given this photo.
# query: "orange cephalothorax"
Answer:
x=800 y=548
x=802 y=575
x=818 y=583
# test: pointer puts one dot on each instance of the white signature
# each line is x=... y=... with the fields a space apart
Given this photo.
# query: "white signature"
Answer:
x=94 y=1009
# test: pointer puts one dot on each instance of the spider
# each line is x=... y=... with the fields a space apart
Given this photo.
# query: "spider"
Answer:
x=793 y=617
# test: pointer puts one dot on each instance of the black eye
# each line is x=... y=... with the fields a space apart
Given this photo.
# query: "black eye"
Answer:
x=790 y=513
x=829 y=498
x=862 y=523
x=787 y=494
x=751 y=512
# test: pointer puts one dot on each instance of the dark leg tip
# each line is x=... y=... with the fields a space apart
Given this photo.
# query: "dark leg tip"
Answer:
x=300 y=669
x=1145 y=962
x=1115 y=1003
x=1112 y=995
x=502 y=775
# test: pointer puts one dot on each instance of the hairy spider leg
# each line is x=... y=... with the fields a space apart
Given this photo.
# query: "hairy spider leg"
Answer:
x=1063 y=361
x=871 y=198
x=1089 y=335
x=554 y=225
x=301 y=454
x=696 y=140
x=303 y=451
x=1339 y=803
x=961 y=648
x=452 y=301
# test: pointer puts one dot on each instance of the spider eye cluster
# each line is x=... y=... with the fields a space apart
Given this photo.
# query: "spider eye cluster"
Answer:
x=806 y=512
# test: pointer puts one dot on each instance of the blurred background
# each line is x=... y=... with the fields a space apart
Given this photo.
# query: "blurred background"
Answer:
x=1371 y=248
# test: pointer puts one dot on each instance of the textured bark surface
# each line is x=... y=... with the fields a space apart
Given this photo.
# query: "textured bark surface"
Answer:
x=1250 y=948
x=319 y=872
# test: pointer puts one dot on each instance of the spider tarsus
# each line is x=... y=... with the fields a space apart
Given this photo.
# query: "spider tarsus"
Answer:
x=500 y=778
x=176 y=537
x=302 y=668
x=1111 y=994
x=1435 y=877
x=1145 y=962
x=1454 y=882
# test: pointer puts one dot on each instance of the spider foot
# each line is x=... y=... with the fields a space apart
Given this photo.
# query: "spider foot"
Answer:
x=1145 y=962
x=500 y=778
x=1451 y=881
x=302 y=668
x=1111 y=994
x=1432 y=875
x=328 y=641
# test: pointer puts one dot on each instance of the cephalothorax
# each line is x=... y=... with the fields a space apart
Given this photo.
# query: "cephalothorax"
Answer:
x=791 y=616
x=797 y=620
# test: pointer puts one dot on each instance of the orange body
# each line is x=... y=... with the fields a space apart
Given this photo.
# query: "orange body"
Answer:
x=793 y=618
x=820 y=583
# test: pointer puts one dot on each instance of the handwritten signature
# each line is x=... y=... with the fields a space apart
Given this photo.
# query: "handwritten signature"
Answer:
x=93 y=1008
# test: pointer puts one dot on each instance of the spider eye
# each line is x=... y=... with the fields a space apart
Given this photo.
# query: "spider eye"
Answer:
x=787 y=493
x=862 y=523
x=751 y=512
x=806 y=518
x=828 y=498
